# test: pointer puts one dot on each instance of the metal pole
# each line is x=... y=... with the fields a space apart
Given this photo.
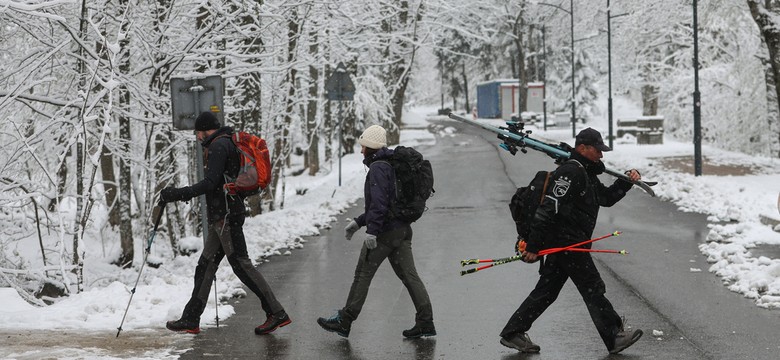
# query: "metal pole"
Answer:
x=573 y=98
x=341 y=118
x=609 y=72
x=199 y=163
x=544 y=76
x=696 y=96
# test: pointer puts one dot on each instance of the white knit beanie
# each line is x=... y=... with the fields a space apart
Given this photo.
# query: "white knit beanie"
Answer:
x=373 y=137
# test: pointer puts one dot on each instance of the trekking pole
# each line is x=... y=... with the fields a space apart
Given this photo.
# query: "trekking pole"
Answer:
x=216 y=302
x=159 y=208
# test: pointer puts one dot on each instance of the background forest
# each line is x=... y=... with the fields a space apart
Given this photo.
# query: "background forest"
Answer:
x=87 y=137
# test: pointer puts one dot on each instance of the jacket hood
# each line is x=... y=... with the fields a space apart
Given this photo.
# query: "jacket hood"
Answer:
x=383 y=153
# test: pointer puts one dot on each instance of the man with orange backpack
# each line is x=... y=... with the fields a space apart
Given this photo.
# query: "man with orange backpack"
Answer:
x=226 y=215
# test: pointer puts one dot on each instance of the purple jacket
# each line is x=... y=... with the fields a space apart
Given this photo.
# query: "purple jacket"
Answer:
x=379 y=192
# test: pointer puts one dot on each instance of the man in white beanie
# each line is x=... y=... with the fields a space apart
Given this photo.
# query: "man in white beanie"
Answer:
x=386 y=237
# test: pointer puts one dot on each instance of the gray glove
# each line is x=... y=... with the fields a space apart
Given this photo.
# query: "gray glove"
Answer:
x=351 y=228
x=370 y=241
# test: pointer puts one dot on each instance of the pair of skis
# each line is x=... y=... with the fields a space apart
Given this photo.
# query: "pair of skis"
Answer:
x=515 y=138
x=574 y=248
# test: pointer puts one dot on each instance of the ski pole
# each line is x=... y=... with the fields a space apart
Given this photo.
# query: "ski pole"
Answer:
x=216 y=301
x=512 y=258
x=555 y=250
x=478 y=261
x=621 y=252
x=159 y=208
x=497 y=262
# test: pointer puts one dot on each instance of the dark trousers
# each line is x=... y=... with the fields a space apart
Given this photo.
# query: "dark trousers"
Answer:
x=554 y=272
x=227 y=239
x=395 y=245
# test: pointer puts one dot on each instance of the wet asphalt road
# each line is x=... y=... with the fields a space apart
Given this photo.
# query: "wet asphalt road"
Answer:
x=653 y=287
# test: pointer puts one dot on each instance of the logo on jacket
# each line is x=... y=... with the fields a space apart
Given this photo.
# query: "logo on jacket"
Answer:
x=561 y=186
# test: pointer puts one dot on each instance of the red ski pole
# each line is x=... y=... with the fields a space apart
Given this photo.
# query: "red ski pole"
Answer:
x=555 y=250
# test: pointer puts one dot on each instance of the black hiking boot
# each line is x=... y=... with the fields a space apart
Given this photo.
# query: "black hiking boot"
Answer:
x=184 y=325
x=419 y=331
x=273 y=322
x=520 y=342
x=336 y=324
x=624 y=339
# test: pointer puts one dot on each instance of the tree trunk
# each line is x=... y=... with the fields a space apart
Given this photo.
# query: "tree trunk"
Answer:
x=465 y=85
x=649 y=100
x=109 y=184
x=313 y=152
x=764 y=13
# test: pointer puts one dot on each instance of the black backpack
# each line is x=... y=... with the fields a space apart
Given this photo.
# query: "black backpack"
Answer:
x=526 y=199
x=413 y=184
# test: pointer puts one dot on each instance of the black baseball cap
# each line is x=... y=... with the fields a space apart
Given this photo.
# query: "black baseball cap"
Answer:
x=593 y=138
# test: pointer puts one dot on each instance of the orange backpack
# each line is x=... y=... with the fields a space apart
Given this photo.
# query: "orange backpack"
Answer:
x=254 y=174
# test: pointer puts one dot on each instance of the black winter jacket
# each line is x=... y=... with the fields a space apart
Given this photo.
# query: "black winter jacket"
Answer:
x=220 y=158
x=379 y=191
x=570 y=208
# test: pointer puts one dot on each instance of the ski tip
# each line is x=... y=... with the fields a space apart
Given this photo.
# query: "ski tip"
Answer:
x=623 y=252
x=617 y=233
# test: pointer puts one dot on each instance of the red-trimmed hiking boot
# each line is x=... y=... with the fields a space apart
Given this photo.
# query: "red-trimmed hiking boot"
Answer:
x=272 y=323
x=183 y=325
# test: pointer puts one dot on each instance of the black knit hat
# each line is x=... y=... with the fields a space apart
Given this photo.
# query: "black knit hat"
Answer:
x=206 y=121
x=593 y=138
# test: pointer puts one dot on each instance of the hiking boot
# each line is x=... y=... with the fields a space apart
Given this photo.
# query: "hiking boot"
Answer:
x=273 y=322
x=521 y=343
x=419 y=331
x=336 y=324
x=624 y=339
x=183 y=325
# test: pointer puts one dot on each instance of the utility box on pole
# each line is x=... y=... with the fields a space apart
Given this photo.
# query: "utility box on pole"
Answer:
x=190 y=97
x=194 y=95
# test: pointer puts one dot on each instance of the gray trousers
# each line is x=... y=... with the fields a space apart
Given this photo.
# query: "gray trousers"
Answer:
x=395 y=245
x=228 y=242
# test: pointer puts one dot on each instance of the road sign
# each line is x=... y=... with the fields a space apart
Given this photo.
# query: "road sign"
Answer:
x=339 y=86
x=192 y=96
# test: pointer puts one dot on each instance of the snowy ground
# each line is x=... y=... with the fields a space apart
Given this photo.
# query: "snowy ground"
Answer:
x=734 y=204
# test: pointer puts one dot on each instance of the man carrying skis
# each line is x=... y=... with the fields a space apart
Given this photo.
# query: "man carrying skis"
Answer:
x=567 y=216
x=386 y=237
x=226 y=236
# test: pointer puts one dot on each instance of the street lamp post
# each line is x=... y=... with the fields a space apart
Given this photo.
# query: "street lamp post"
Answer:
x=573 y=90
x=609 y=70
x=544 y=76
x=696 y=96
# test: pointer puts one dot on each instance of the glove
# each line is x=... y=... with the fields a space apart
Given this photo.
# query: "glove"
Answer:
x=351 y=228
x=171 y=194
x=370 y=241
x=519 y=246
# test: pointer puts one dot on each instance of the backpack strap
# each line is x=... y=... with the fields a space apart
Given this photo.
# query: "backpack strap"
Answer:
x=579 y=164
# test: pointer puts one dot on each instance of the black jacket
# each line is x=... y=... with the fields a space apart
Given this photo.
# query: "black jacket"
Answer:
x=379 y=191
x=221 y=158
x=571 y=205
